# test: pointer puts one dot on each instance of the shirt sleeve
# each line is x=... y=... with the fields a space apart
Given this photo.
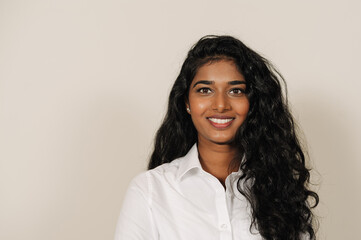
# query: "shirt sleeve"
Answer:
x=135 y=220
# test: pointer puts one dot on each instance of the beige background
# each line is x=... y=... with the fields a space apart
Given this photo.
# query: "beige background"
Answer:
x=84 y=84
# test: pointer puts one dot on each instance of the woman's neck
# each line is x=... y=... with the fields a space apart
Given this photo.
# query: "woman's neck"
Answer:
x=216 y=158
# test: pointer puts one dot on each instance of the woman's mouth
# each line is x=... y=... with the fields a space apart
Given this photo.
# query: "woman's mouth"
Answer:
x=220 y=122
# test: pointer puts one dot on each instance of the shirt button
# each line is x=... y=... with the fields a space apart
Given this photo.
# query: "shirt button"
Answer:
x=224 y=226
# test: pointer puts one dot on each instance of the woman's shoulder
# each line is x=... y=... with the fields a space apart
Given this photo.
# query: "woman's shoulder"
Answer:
x=165 y=169
x=163 y=173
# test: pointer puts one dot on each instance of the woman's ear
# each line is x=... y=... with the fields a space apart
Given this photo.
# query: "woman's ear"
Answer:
x=186 y=102
x=188 y=107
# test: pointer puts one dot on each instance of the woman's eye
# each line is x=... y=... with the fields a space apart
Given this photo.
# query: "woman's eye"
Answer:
x=205 y=90
x=237 y=91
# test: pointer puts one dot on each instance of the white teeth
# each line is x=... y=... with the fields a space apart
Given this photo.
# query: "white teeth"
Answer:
x=220 y=121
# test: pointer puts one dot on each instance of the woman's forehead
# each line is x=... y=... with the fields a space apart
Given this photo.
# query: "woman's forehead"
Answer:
x=218 y=72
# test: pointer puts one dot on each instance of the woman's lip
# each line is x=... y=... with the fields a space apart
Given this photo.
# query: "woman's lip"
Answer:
x=220 y=117
x=223 y=122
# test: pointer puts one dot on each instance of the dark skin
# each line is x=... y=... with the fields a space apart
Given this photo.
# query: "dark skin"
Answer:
x=215 y=160
x=218 y=106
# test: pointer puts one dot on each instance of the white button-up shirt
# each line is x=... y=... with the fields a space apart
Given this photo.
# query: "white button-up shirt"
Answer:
x=179 y=200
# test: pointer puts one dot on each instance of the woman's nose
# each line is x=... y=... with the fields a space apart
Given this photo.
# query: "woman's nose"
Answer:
x=220 y=103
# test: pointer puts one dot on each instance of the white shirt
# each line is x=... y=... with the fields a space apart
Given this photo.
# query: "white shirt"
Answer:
x=179 y=200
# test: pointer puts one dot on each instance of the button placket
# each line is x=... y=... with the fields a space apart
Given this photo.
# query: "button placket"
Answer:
x=223 y=219
x=221 y=206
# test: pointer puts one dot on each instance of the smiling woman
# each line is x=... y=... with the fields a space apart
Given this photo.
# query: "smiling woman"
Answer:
x=227 y=163
x=218 y=106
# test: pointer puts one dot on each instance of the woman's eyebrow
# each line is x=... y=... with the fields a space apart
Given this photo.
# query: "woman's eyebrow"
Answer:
x=203 y=82
x=236 y=82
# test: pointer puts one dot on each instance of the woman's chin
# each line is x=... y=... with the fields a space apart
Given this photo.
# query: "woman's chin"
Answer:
x=223 y=141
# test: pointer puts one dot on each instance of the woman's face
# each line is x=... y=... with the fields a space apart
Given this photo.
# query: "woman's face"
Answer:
x=217 y=102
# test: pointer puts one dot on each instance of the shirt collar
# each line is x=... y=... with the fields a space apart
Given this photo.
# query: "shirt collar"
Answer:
x=191 y=161
x=188 y=162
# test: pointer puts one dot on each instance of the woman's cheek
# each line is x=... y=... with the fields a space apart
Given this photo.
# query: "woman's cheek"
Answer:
x=200 y=105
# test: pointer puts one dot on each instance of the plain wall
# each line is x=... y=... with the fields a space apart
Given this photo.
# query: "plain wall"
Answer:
x=84 y=86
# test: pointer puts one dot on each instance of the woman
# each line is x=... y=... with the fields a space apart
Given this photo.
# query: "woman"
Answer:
x=227 y=163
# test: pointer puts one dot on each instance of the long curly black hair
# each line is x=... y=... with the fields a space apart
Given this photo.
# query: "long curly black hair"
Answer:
x=274 y=176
